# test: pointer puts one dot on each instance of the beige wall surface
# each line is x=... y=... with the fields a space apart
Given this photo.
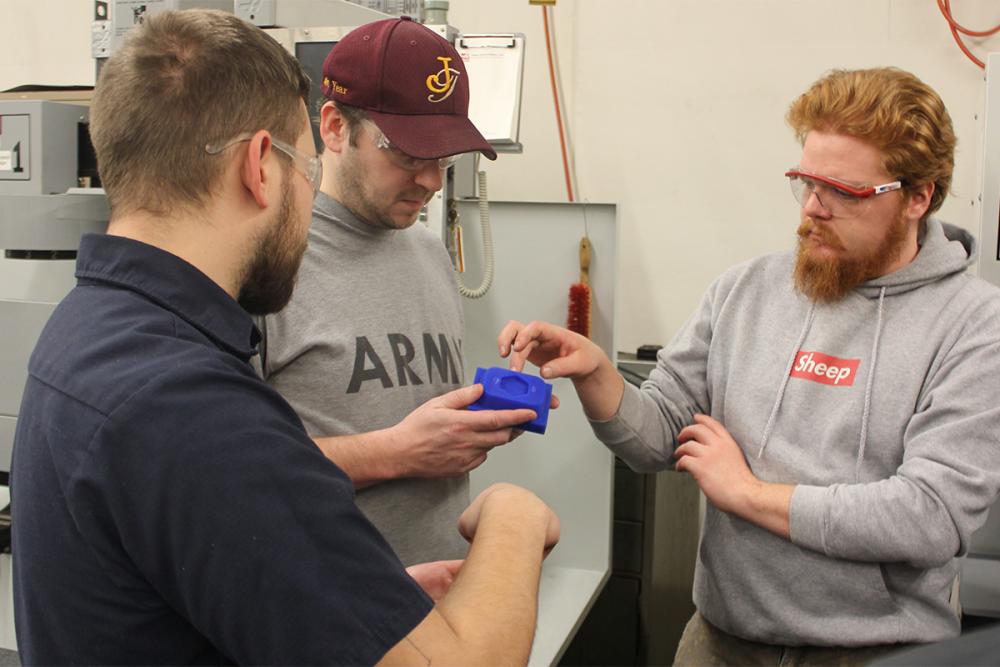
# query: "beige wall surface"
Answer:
x=46 y=42
x=676 y=109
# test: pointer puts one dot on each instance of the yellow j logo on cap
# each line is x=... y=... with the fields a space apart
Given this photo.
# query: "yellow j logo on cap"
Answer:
x=442 y=82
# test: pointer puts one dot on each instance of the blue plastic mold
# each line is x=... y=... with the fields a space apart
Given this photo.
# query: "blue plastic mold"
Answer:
x=505 y=389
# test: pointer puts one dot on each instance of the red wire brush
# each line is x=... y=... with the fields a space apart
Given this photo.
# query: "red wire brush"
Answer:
x=578 y=318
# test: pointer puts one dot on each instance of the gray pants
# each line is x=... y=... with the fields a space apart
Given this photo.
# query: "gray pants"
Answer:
x=704 y=644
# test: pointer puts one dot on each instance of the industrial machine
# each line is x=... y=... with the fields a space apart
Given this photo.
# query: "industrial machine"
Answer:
x=42 y=216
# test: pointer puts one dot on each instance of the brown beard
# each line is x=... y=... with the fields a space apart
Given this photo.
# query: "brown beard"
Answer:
x=269 y=276
x=830 y=279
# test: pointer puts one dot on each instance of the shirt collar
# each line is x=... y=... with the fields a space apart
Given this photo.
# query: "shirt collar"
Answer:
x=172 y=283
x=329 y=209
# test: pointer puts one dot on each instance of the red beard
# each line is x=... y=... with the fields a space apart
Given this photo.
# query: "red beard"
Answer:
x=829 y=279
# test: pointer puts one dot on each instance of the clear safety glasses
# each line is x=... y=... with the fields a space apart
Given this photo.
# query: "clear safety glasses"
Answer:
x=842 y=200
x=408 y=162
x=310 y=166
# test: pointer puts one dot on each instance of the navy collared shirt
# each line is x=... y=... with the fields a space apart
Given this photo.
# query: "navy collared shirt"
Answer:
x=168 y=506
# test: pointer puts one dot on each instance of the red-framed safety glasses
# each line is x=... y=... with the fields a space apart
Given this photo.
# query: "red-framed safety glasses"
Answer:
x=839 y=198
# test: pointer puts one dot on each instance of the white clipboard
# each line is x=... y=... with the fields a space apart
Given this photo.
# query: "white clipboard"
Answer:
x=495 y=66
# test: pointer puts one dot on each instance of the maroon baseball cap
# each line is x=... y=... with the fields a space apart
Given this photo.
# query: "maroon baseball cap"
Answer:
x=412 y=83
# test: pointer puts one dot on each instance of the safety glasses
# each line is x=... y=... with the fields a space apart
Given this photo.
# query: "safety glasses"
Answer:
x=310 y=166
x=408 y=162
x=842 y=200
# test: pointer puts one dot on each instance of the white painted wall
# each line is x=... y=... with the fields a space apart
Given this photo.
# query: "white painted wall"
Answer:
x=677 y=112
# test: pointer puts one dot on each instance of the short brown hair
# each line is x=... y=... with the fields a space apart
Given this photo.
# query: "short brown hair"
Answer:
x=892 y=110
x=353 y=117
x=181 y=81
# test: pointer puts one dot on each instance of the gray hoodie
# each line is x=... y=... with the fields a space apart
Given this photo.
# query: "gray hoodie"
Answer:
x=882 y=408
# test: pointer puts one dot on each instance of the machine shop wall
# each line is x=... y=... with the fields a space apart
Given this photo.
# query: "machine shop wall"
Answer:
x=676 y=109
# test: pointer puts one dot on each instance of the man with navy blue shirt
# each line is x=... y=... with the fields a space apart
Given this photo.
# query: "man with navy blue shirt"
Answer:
x=170 y=508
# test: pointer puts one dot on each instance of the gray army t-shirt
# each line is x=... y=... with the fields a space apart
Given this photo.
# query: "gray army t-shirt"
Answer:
x=373 y=330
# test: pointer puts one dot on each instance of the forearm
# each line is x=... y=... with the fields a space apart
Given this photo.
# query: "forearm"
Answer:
x=865 y=535
x=492 y=606
x=600 y=392
x=894 y=519
x=364 y=457
x=768 y=506
x=488 y=615
x=643 y=431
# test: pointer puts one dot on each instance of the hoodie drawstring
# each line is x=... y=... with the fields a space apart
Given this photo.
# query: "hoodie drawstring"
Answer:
x=868 y=384
x=868 y=387
x=784 y=381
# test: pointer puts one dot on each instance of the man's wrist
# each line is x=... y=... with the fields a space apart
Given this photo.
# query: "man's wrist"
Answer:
x=517 y=507
x=388 y=458
x=752 y=500
x=766 y=505
x=600 y=391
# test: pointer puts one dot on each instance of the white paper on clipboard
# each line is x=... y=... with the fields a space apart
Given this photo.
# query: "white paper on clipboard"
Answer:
x=495 y=64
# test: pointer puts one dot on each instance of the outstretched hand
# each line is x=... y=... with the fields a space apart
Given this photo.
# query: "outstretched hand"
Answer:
x=556 y=351
x=559 y=352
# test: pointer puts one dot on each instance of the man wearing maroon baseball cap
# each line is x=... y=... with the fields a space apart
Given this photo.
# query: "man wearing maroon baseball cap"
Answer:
x=369 y=350
x=411 y=83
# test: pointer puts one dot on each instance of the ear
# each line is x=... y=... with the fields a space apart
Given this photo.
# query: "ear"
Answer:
x=252 y=171
x=919 y=201
x=333 y=128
